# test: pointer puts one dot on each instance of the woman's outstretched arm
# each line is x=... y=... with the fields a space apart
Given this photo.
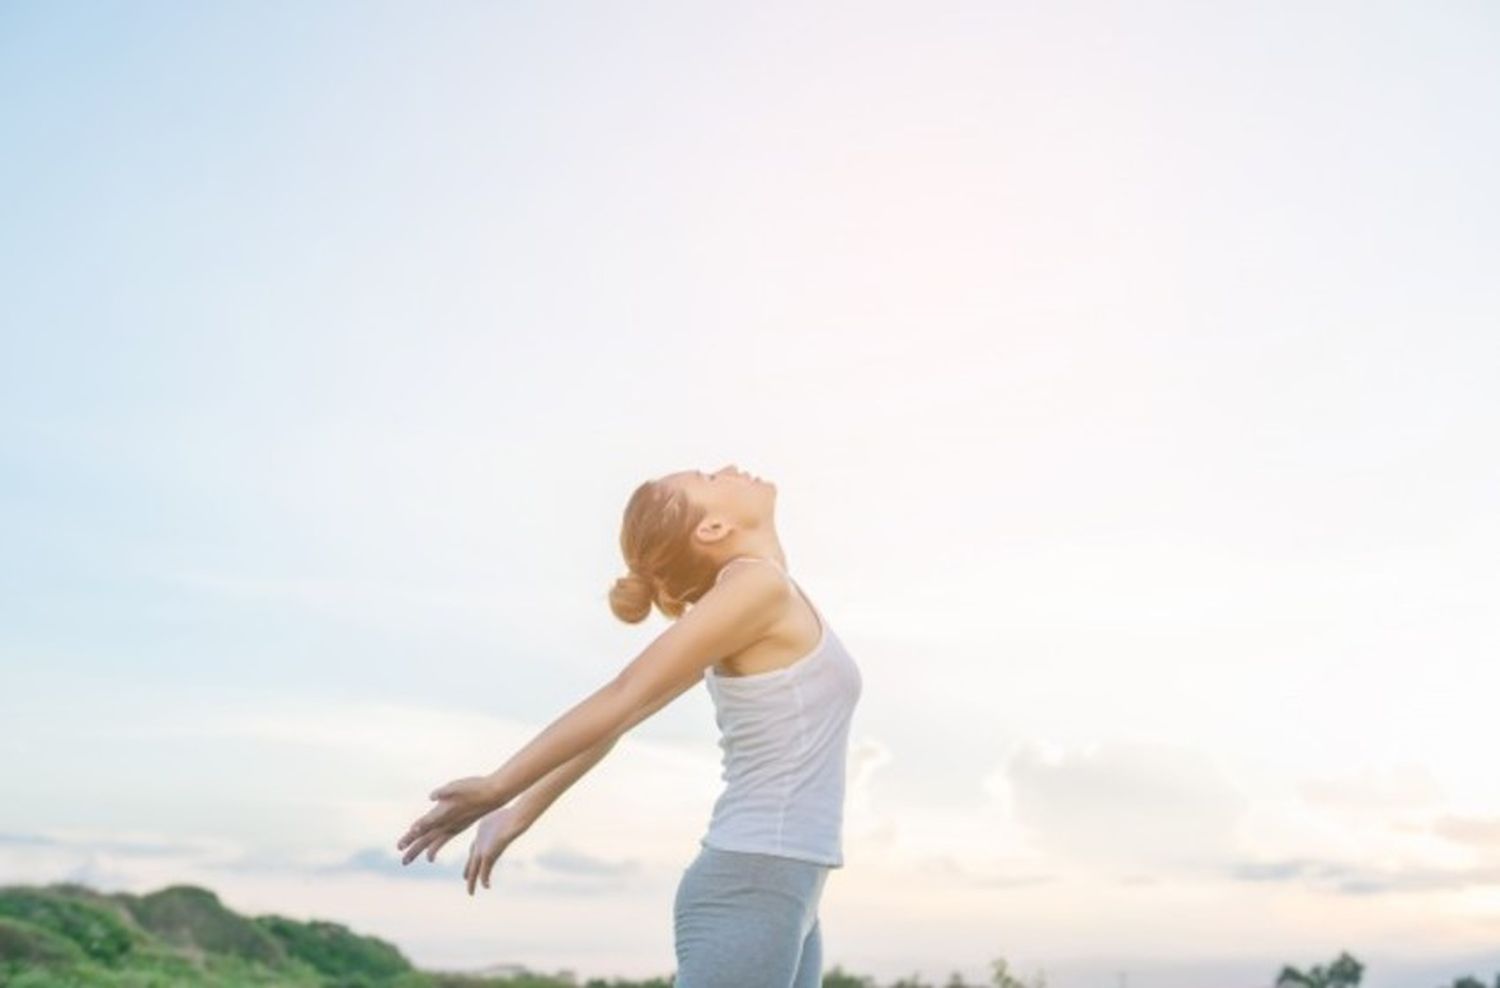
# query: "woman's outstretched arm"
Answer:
x=546 y=790
x=731 y=616
x=491 y=842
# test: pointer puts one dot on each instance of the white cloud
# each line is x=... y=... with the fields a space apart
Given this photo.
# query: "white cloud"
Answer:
x=1378 y=788
x=1126 y=804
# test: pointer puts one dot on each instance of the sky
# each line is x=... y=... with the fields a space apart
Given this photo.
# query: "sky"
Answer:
x=1126 y=372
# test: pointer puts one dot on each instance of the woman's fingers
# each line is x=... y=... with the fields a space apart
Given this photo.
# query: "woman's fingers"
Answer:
x=476 y=868
x=481 y=864
x=412 y=852
x=489 y=865
x=420 y=844
x=440 y=821
x=437 y=845
x=423 y=824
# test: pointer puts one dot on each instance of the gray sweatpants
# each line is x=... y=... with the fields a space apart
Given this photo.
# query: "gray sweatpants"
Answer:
x=748 y=920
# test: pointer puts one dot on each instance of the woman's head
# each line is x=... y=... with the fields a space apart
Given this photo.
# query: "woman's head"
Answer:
x=679 y=529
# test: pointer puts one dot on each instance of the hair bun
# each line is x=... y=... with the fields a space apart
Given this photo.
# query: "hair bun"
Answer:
x=632 y=596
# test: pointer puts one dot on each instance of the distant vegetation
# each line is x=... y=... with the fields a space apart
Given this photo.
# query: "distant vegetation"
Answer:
x=70 y=936
x=1345 y=972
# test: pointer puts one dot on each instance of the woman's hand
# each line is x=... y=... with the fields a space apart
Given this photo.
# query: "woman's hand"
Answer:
x=460 y=803
x=493 y=835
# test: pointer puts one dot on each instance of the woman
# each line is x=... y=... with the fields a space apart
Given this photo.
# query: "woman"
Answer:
x=784 y=689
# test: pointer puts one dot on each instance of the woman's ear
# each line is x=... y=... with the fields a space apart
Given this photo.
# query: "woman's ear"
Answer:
x=713 y=529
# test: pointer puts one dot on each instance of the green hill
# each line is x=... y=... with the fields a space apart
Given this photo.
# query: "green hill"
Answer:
x=67 y=935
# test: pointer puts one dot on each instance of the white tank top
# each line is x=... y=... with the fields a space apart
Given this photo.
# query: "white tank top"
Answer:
x=784 y=735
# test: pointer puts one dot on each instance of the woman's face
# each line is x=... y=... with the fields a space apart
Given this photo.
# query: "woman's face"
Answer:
x=729 y=494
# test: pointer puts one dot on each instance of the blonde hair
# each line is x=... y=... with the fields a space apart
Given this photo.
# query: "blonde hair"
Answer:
x=656 y=539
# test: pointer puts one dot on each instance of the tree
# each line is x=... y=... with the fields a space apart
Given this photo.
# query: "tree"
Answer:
x=1000 y=976
x=1344 y=972
x=915 y=981
x=837 y=977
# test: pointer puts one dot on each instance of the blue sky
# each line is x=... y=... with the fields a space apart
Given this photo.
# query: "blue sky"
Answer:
x=1126 y=373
